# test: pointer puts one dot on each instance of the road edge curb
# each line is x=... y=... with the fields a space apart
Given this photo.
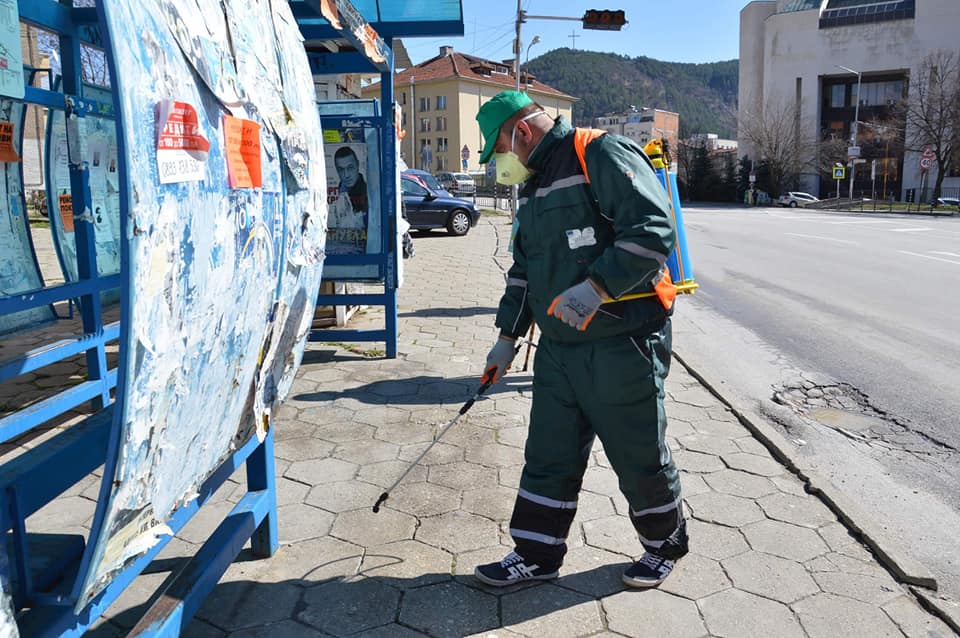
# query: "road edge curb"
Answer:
x=948 y=611
x=886 y=549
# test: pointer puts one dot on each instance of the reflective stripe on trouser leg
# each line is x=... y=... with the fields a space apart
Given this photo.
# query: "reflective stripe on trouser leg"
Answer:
x=556 y=454
x=625 y=406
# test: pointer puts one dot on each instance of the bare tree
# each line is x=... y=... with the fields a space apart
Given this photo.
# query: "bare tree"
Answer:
x=774 y=134
x=932 y=111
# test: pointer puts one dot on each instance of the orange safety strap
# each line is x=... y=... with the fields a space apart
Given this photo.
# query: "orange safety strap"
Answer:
x=664 y=289
x=581 y=138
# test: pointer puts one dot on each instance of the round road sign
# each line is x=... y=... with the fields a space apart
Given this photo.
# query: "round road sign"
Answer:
x=926 y=163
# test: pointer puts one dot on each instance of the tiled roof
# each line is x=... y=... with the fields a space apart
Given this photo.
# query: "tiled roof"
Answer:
x=459 y=65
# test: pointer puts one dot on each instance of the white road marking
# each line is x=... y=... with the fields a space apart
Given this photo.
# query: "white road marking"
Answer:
x=860 y=221
x=839 y=241
x=943 y=252
x=908 y=230
x=949 y=261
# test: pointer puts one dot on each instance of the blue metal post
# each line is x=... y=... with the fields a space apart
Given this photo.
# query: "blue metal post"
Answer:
x=84 y=232
x=261 y=476
x=388 y=144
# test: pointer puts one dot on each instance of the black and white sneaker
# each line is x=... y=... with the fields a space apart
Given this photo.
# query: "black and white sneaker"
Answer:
x=511 y=570
x=649 y=571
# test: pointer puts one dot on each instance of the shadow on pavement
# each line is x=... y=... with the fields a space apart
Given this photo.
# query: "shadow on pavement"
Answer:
x=450 y=312
x=422 y=390
x=350 y=594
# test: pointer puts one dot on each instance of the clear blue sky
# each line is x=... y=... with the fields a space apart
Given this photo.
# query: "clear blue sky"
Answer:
x=669 y=30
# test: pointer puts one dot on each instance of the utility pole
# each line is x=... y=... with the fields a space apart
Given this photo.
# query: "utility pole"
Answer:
x=517 y=43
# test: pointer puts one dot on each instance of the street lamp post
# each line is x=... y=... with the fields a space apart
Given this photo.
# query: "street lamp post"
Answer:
x=853 y=129
x=526 y=63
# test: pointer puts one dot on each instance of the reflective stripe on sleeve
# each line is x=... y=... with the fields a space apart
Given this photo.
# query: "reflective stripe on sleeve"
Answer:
x=640 y=251
x=512 y=281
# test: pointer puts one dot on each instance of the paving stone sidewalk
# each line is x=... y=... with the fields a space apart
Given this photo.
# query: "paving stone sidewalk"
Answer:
x=766 y=558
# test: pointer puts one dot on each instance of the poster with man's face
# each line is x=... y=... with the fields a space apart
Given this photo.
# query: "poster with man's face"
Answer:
x=347 y=198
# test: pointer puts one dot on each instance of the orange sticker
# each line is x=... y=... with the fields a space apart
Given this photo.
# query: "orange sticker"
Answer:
x=66 y=212
x=7 y=152
x=242 y=140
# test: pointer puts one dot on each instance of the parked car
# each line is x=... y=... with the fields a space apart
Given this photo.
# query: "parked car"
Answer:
x=427 y=179
x=427 y=209
x=794 y=199
x=949 y=202
x=457 y=183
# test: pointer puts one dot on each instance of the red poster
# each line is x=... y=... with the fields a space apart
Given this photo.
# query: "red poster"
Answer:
x=181 y=147
x=66 y=212
x=242 y=141
x=7 y=152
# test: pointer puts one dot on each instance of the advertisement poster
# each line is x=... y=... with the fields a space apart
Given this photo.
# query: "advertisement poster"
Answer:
x=181 y=147
x=103 y=179
x=242 y=142
x=347 y=199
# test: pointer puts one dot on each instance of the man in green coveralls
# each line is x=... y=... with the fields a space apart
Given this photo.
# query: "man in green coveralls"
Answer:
x=585 y=239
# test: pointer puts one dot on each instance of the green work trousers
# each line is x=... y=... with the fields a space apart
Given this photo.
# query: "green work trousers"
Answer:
x=612 y=388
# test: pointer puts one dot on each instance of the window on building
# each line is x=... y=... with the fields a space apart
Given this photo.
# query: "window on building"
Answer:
x=838 y=96
x=441 y=123
x=442 y=143
x=441 y=102
x=424 y=104
x=403 y=118
x=848 y=12
x=403 y=97
x=879 y=93
x=442 y=163
x=425 y=124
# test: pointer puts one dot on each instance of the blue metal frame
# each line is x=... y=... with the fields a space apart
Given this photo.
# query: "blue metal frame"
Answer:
x=314 y=27
x=38 y=476
x=385 y=260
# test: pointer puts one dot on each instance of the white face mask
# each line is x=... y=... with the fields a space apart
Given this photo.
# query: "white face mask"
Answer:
x=510 y=170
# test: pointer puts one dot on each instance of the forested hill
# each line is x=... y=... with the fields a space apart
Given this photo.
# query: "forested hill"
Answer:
x=705 y=95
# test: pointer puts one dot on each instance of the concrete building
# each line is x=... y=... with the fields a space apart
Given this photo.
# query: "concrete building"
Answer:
x=643 y=124
x=440 y=98
x=791 y=52
x=712 y=142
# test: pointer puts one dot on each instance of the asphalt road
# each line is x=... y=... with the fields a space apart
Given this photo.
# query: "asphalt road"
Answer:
x=866 y=303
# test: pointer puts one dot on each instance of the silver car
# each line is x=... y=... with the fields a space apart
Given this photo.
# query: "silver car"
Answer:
x=796 y=198
x=457 y=183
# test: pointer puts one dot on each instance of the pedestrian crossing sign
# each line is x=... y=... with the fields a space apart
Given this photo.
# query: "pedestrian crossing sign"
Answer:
x=839 y=172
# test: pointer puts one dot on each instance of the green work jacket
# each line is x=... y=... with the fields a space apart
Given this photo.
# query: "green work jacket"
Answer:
x=617 y=229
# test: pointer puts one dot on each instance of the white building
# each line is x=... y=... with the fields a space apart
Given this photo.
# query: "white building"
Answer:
x=712 y=142
x=791 y=52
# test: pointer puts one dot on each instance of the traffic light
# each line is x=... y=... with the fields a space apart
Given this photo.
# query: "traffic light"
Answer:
x=604 y=19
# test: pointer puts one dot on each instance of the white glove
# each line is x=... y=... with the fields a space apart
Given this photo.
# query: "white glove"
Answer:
x=577 y=305
x=499 y=360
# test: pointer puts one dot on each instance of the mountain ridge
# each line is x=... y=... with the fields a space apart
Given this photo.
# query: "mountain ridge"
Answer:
x=704 y=94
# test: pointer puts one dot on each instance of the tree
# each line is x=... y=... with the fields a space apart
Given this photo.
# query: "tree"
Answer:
x=684 y=162
x=729 y=182
x=932 y=111
x=773 y=133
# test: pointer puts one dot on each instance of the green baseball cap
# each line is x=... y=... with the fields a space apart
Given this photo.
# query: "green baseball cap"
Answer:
x=494 y=113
